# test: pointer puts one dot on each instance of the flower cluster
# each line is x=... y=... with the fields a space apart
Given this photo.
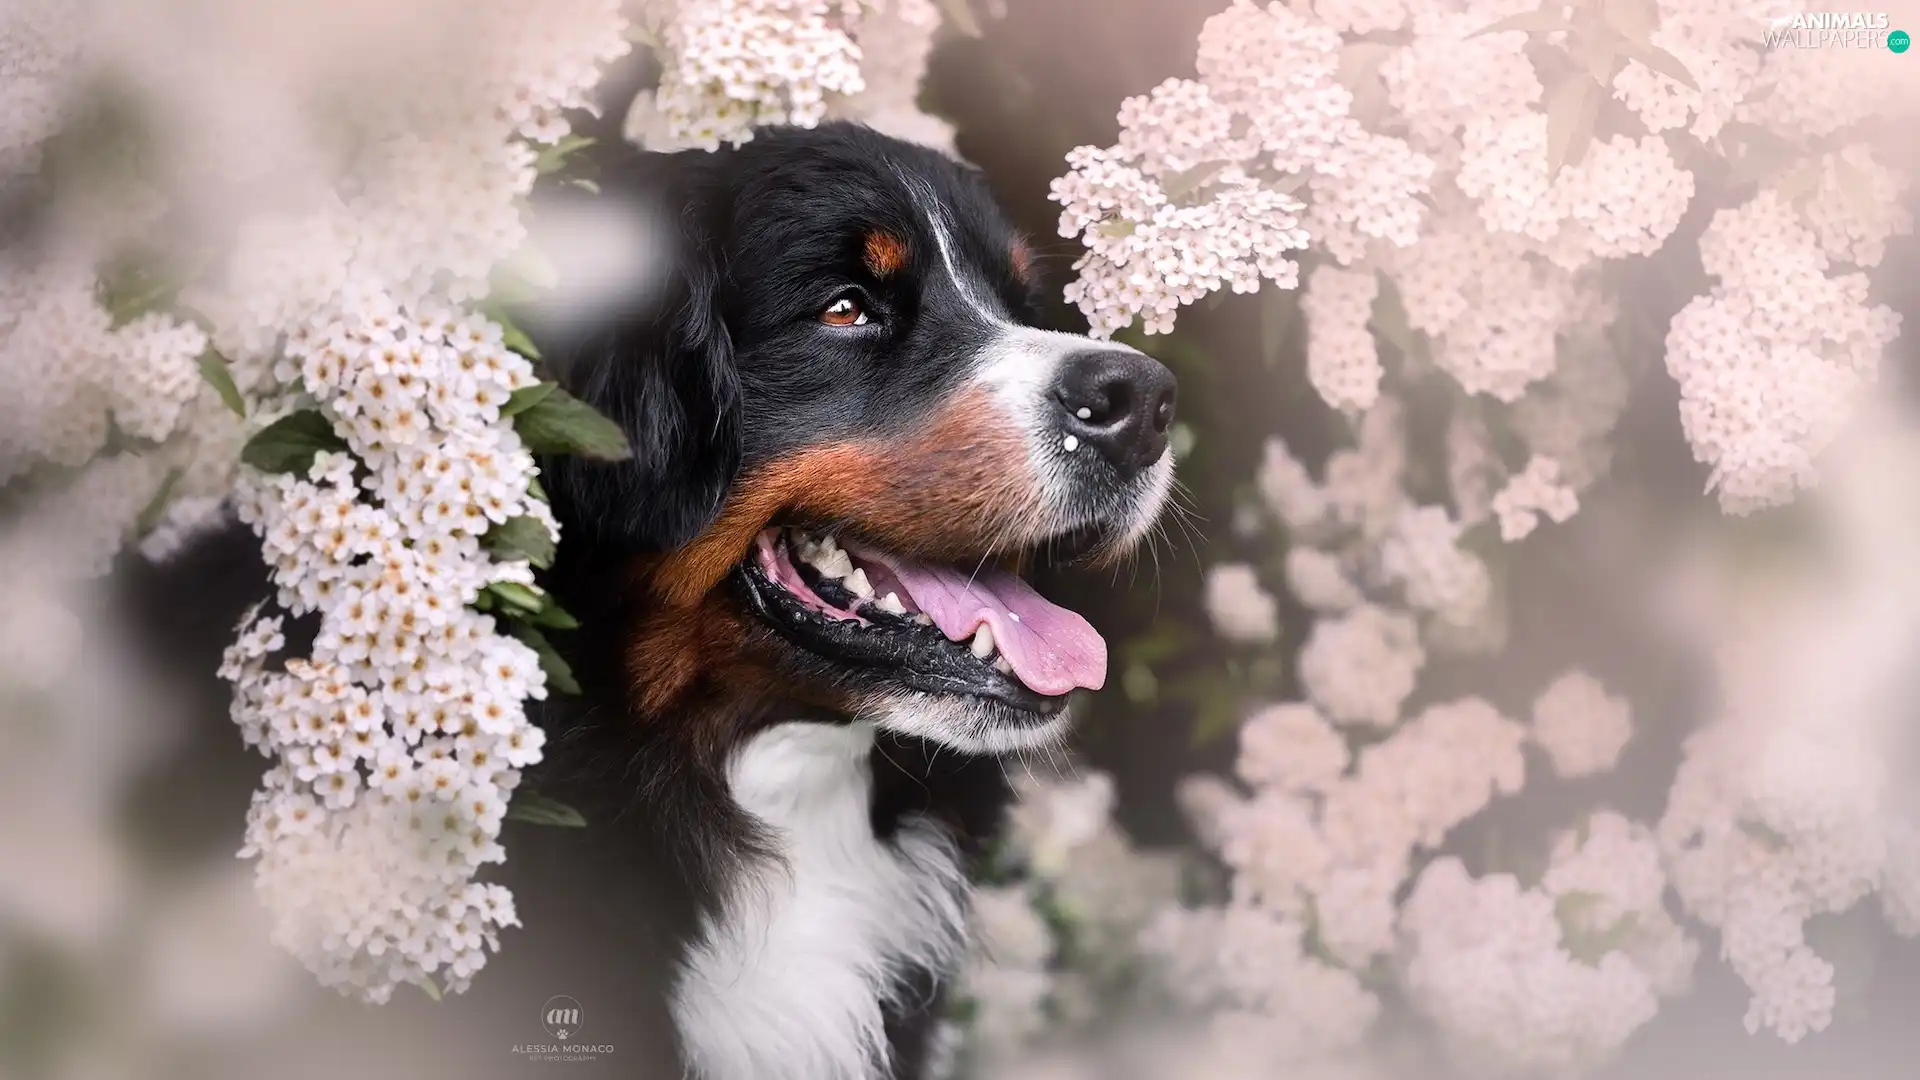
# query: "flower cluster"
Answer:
x=732 y=65
x=398 y=741
x=1055 y=936
x=1240 y=609
x=1789 y=802
x=1769 y=363
x=1318 y=851
x=1202 y=191
x=1580 y=726
x=1422 y=164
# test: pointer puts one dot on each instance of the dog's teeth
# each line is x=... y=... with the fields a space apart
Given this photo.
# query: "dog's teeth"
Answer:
x=891 y=604
x=923 y=618
x=983 y=641
x=1000 y=665
x=832 y=563
x=858 y=584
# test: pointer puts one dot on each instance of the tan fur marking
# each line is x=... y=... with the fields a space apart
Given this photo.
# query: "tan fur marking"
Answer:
x=961 y=485
x=885 y=253
x=1021 y=254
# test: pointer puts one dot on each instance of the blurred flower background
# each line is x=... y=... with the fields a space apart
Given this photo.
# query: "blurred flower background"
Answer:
x=1528 y=691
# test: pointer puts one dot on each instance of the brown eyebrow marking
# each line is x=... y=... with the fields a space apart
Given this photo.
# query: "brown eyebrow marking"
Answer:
x=1021 y=253
x=885 y=253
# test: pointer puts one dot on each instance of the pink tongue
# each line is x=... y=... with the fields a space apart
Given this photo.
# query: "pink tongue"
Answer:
x=1051 y=649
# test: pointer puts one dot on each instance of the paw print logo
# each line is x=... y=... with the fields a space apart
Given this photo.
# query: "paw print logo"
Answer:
x=561 y=1017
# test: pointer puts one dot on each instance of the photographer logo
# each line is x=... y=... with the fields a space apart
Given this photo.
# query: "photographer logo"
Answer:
x=562 y=1018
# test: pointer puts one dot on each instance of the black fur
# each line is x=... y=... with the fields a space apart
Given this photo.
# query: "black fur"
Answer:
x=730 y=366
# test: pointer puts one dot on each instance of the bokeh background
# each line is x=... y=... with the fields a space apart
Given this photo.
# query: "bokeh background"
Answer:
x=135 y=946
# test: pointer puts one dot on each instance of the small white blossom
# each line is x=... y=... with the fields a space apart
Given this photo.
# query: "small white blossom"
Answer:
x=1360 y=667
x=1536 y=490
x=1580 y=726
x=1241 y=610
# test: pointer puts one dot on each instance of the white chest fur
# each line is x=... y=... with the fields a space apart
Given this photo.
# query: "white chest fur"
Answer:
x=790 y=981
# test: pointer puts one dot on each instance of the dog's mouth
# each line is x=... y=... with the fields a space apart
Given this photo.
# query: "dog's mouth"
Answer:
x=979 y=631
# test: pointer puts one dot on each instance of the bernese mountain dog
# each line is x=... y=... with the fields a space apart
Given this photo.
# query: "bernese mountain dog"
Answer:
x=805 y=638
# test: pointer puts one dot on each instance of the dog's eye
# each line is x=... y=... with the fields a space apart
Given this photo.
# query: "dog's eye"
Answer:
x=846 y=311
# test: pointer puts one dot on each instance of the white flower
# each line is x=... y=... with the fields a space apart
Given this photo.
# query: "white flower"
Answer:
x=1317 y=579
x=1536 y=490
x=1581 y=728
x=1008 y=931
x=1423 y=556
x=1240 y=609
x=1052 y=819
x=1291 y=747
x=1770 y=362
x=1359 y=667
x=1489 y=971
x=1342 y=361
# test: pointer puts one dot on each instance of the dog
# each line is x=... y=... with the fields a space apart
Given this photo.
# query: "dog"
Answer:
x=804 y=639
x=850 y=433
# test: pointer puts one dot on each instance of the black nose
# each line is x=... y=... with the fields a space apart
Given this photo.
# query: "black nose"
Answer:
x=1119 y=403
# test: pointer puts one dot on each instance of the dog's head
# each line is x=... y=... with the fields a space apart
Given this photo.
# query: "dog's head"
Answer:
x=850 y=439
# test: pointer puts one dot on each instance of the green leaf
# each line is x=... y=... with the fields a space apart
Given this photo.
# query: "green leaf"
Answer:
x=1569 y=907
x=1598 y=51
x=1116 y=228
x=1140 y=685
x=289 y=444
x=523 y=537
x=1187 y=181
x=560 y=423
x=551 y=617
x=510 y=333
x=1590 y=948
x=213 y=368
x=961 y=17
x=527 y=397
x=1290 y=183
x=640 y=34
x=524 y=275
x=1217 y=717
x=1660 y=60
x=156 y=507
x=1390 y=317
x=1798 y=182
x=536 y=491
x=585 y=185
x=1635 y=20
x=1279 y=309
x=1159 y=644
x=517 y=596
x=1856 y=191
x=131 y=288
x=554 y=158
x=1544 y=21
x=1572 y=108
x=537 y=809
x=559 y=674
x=1359 y=72
x=1360 y=61
x=430 y=988
x=1764 y=836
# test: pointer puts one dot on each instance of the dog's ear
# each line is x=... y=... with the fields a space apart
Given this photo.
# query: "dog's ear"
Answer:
x=662 y=367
